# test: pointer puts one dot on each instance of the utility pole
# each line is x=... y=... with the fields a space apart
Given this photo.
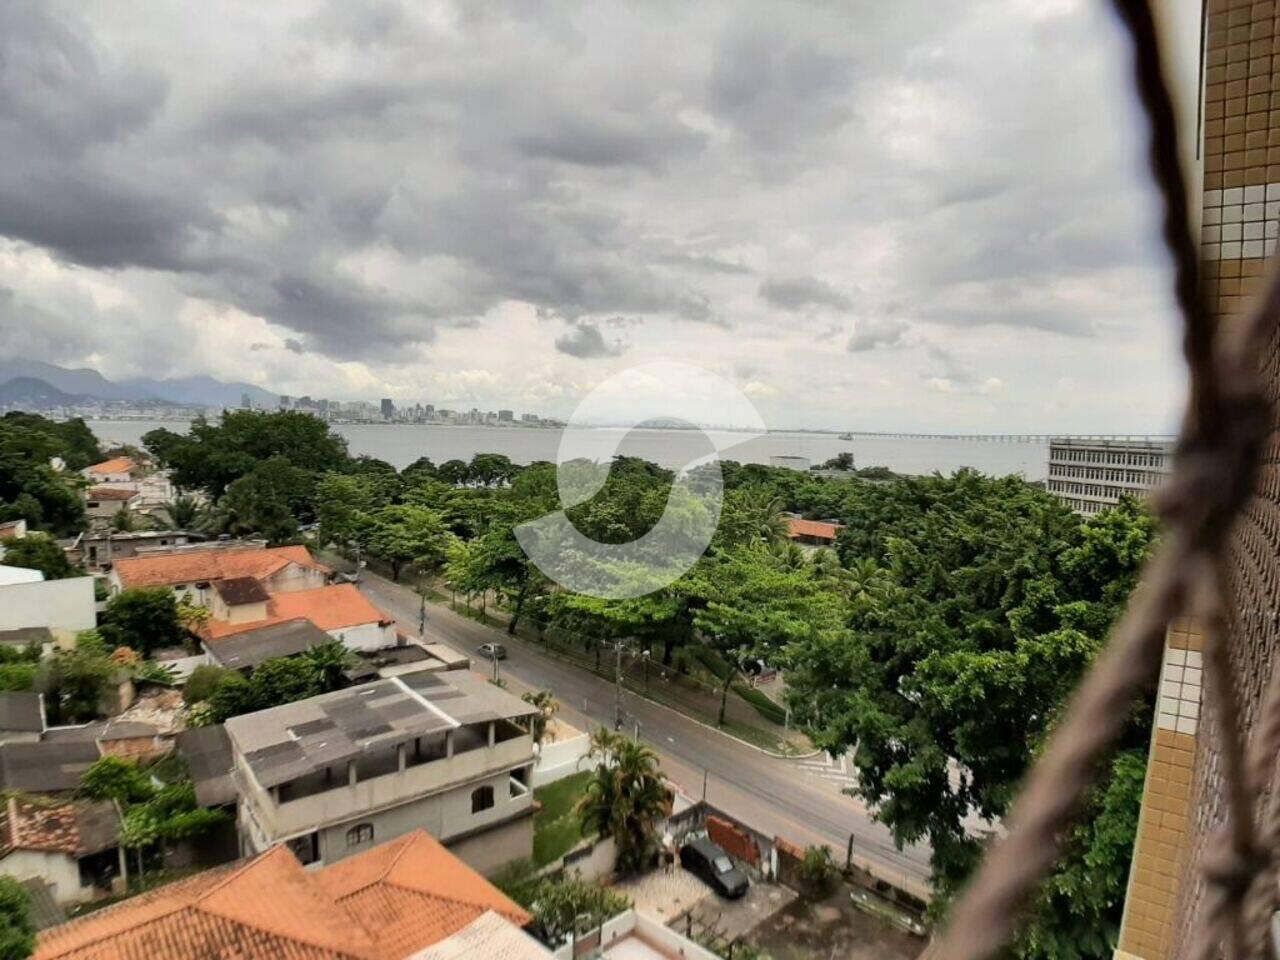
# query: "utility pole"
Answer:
x=617 y=685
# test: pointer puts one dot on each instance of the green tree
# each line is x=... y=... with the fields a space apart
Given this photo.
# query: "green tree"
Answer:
x=267 y=501
x=751 y=515
x=328 y=663
x=990 y=601
x=212 y=456
x=402 y=534
x=145 y=619
x=748 y=608
x=184 y=512
x=17 y=932
x=490 y=469
x=40 y=552
x=118 y=779
x=124 y=521
x=31 y=486
x=203 y=682
x=560 y=906
x=73 y=682
x=626 y=798
x=1077 y=911
x=342 y=501
x=454 y=472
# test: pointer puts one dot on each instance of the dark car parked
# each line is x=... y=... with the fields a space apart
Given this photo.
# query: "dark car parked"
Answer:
x=709 y=861
x=492 y=651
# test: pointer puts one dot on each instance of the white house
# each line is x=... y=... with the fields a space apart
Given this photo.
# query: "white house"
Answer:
x=72 y=847
x=65 y=607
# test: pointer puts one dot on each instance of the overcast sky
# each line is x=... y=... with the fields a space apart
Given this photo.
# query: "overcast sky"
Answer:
x=923 y=215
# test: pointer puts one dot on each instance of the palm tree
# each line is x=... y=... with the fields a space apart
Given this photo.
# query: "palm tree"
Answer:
x=626 y=799
x=185 y=512
x=123 y=521
x=790 y=556
x=866 y=581
x=766 y=516
x=547 y=706
x=329 y=661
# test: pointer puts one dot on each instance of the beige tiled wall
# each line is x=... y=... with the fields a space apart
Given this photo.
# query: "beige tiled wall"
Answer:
x=1161 y=852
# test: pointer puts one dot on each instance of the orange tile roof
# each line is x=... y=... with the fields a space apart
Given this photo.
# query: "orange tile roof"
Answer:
x=797 y=527
x=116 y=465
x=329 y=608
x=110 y=493
x=381 y=905
x=411 y=892
x=214 y=563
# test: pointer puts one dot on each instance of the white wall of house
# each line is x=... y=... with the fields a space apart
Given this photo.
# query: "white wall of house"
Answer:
x=58 y=869
x=65 y=605
x=294 y=576
x=366 y=636
x=558 y=759
x=446 y=816
x=11 y=575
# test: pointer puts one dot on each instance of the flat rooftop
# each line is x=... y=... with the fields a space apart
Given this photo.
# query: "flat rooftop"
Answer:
x=288 y=742
x=465 y=696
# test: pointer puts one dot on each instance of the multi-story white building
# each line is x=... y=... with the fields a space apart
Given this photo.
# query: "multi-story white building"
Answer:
x=336 y=774
x=1091 y=475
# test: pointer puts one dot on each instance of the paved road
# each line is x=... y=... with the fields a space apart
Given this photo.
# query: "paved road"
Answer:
x=799 y=800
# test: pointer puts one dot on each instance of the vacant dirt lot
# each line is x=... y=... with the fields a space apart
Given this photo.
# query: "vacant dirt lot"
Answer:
x=833 y=928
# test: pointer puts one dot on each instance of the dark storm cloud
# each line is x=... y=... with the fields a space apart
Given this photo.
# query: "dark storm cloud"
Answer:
x=610 y=143
x=709 y=264
x=798 y=293
x=63 y=109
x=361 y=174
x=585 y=341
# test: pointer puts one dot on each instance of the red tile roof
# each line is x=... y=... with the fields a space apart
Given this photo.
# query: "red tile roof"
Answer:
x=329 y=608
x=384 y=904
x=56 y=827
x=38 y=826
x=198 y=566
x=818 y=529
x=116 y=465
x=110 y=493
x=411 y=892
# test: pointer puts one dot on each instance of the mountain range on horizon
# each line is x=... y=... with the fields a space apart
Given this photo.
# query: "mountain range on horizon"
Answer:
x=63 y=386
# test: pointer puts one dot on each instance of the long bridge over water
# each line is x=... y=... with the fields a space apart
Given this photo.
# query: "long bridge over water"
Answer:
x=1012 y=437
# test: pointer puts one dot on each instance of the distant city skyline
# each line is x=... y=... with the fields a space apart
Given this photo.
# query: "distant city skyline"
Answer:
x=862 y=216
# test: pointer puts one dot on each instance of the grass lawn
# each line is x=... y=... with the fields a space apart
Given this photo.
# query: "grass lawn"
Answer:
x=555 y=827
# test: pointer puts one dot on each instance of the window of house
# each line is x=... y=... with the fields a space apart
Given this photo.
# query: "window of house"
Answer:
x=360 y=833
x=481 y=799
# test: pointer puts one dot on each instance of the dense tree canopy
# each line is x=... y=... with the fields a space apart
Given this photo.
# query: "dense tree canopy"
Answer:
x=941 y=636
x=144 y=619
x=39 y=552
x=32 y=485
x=993 y=600
x=17 y=932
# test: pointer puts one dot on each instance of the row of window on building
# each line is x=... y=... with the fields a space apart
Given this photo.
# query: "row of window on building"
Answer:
x=1139 y=478
x=1124 y=458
